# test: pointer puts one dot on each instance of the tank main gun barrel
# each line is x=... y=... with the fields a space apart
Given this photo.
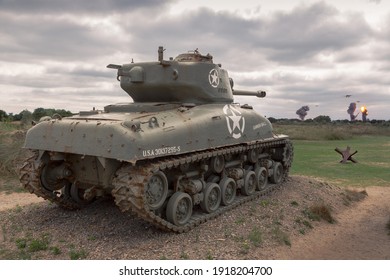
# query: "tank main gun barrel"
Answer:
x=259 y=93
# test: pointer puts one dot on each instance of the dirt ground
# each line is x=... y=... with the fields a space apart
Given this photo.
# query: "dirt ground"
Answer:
x=276 y=227
x=359 y=233
x=9 y=201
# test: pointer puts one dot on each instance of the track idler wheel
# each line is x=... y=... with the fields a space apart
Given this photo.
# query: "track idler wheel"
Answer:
x=212 y=198
x=179 y=208
x=217 y=164
x=156 y=190
x=261 y=178
x=277 y=173
x=250 y=183
x=228 y=190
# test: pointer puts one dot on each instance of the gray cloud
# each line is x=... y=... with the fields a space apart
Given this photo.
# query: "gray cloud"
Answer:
x=309 y=55
x=291 y=37
x=77 y=6
x=50 y=38
x=299 y=35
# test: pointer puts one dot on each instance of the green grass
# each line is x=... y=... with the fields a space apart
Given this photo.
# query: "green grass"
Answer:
x=331 y=131
x=256 y=237
x=33 y=244
x=319 y=159
x=184 y=255
x=281 y=236
x=11 y=153
x=209 y=256
x=9 y=126
x=11 y=185
x=78 y=254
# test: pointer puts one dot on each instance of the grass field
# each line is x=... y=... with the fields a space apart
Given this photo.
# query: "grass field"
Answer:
x=315 y=155
x=11 y=153
x=319 y=159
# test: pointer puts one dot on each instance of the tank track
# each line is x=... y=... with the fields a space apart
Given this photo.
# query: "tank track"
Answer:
x=130 y=181
x=30 y=173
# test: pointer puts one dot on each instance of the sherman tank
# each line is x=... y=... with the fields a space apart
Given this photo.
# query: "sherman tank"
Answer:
x=183 y=152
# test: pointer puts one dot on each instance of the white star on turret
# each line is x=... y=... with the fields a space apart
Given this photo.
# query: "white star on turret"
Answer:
x=213 y=78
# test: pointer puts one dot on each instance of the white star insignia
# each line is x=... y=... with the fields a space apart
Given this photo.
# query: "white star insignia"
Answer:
x=236 y=120
x=213 y=78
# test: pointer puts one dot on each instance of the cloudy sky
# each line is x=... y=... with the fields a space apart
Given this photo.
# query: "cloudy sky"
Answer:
x=53 y=53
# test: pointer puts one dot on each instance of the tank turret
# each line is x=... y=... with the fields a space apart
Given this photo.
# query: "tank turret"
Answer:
x=189 y=78
x=180 y=154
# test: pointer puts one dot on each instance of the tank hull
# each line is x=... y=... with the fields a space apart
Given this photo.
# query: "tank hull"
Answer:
x=132 y=136
x=207 y=159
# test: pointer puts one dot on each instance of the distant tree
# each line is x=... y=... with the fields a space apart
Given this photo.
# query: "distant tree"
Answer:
x=11 y=117
x=17 y=117
x=3 y=116
x=322 y=119
x=64 y=113
x=41 y=112
x=26 y=117
x=272 y=120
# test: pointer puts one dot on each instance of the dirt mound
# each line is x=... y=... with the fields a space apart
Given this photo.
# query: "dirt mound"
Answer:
x=284 y=225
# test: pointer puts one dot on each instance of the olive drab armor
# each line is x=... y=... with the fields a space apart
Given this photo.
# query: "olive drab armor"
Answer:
x=180 y=154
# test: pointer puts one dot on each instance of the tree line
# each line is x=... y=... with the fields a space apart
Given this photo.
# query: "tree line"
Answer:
x=27 y=116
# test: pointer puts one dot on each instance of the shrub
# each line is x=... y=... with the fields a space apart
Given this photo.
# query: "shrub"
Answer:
x=318 y=212
x=350 y=196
